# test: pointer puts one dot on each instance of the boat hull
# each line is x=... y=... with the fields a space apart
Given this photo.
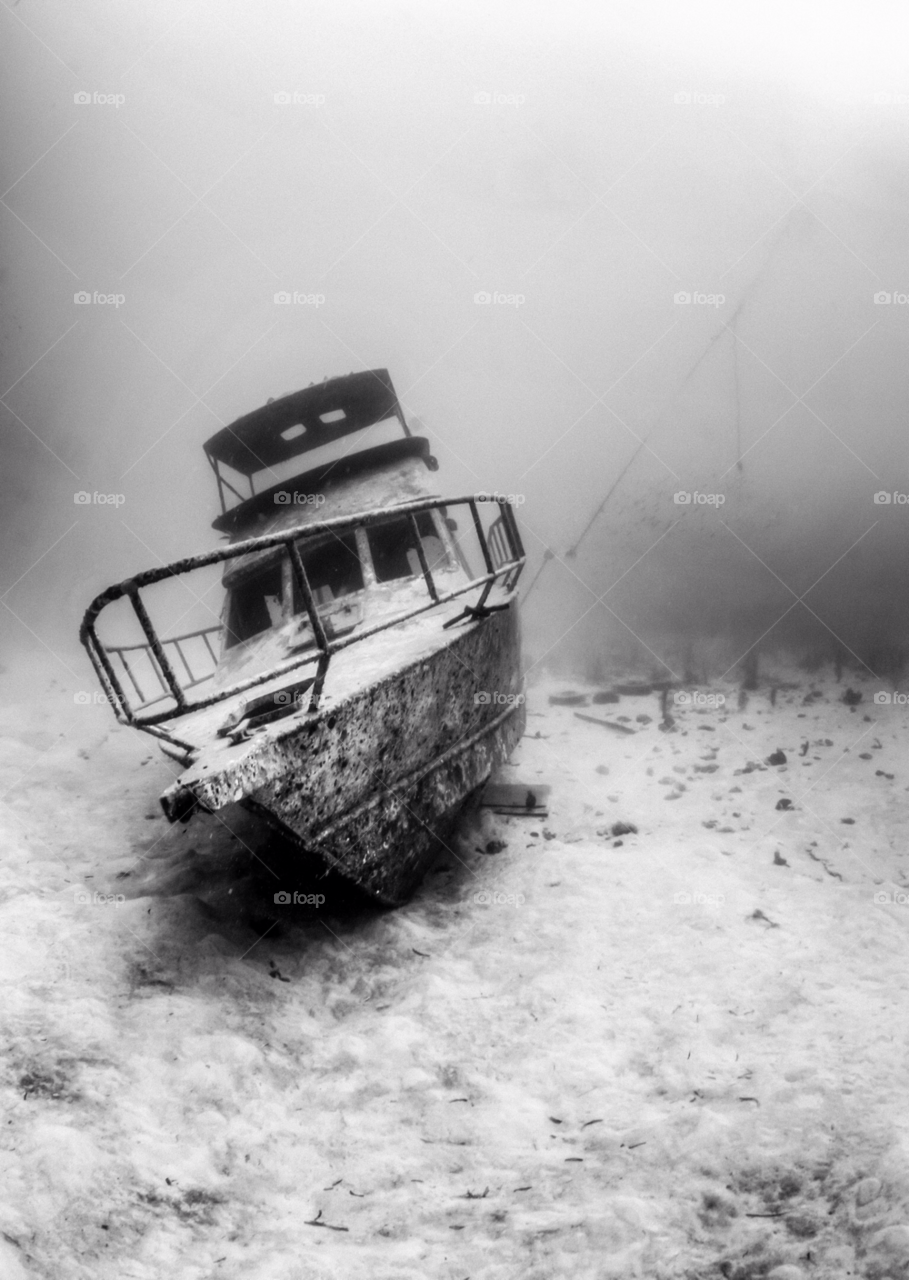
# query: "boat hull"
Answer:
x=374 y=783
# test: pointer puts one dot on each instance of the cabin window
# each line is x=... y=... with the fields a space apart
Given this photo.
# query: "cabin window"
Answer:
x=255 y=604
x=333 y=569
x=394 y=553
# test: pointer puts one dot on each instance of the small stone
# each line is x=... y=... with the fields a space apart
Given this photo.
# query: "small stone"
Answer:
x=777 y=757
x=803 y=1225
x=893 y=1241
x=867 y=1190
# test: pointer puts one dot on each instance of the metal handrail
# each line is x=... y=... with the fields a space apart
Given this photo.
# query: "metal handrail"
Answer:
x=192 y=679
x=323 y=648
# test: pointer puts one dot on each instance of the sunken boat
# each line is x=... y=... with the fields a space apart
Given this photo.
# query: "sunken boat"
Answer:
x=353 y=672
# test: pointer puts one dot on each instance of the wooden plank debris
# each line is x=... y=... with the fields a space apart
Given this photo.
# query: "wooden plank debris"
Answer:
x=607 y=724
x=530 y=800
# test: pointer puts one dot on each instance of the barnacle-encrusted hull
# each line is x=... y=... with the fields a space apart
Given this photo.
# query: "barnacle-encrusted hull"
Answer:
x=374 y=780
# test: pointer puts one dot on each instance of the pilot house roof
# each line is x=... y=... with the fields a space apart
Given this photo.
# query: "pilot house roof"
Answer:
x=305 y=420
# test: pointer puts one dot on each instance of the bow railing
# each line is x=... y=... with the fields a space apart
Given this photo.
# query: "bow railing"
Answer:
x=176 y=674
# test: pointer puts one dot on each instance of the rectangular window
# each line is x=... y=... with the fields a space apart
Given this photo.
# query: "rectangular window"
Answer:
x=394 y=552
x=333 y=569
x=255 y=604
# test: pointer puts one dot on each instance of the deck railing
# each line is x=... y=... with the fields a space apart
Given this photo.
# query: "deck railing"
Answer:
x=503 y=557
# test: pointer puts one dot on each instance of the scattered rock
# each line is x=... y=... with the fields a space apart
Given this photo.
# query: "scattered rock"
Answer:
x=851 y=698
x=779 y=861
x=568 y=700
x=784 y=803
x=716 y=1211
x=623 y=829
x=496 y=846
x=777 y=757
x=849 y=822
x=867 y=1190
x=599 y=698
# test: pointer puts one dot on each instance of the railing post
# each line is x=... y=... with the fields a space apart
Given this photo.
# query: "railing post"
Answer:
x=102 y=664
x=427 y=576
x=321 y=673
x=155 y=645
x=318 y=629
x=176 y=643
x=481 y=535
x=129 y=671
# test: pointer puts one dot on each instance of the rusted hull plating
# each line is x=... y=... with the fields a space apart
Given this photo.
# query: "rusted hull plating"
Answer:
x=373 y=784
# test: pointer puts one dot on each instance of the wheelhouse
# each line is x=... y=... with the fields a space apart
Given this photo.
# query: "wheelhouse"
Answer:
x=344 y=572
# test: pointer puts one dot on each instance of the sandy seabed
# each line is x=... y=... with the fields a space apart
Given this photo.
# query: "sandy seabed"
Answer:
x=680 y=1052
